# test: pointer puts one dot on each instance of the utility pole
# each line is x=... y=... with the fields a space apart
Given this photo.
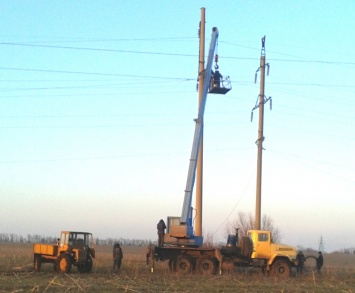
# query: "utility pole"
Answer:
x=262 y=100
x=199 y=169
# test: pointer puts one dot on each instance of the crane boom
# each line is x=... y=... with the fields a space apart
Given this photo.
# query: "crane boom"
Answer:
x=186 y=209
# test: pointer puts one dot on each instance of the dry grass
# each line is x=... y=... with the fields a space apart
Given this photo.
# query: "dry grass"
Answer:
x=16 y=275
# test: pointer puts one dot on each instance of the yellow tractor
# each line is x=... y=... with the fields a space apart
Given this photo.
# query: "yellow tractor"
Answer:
x=72 y=249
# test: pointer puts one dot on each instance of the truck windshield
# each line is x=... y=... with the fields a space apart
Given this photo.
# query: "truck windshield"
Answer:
x=263 y=237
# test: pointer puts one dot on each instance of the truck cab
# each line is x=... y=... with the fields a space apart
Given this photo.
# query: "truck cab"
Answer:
x=277 y=258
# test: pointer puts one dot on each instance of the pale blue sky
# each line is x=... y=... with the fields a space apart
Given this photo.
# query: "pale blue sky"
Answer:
x=97 y=101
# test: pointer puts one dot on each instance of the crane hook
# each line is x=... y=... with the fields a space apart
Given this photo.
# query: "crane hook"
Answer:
x=216 y=61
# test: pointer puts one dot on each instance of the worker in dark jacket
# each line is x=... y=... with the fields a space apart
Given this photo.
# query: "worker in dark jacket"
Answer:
x=319 y=262
x=217 y=78
x=301 y=259
x=117 y=257
x=161 y=232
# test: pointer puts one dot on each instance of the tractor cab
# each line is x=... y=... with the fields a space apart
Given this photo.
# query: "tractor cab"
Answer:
x=218 y=84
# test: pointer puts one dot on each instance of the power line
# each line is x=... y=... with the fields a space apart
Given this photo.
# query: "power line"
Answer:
x=94 y=95
x=85 y=40
x=99 y=50
x=149 y=77
x=93 y=73
x=170 y=54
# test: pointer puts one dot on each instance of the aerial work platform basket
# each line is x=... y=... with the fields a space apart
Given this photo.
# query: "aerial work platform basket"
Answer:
x=221 y=86
x=218 y=84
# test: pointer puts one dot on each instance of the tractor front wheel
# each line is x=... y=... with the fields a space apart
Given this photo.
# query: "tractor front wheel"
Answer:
x=63 y=263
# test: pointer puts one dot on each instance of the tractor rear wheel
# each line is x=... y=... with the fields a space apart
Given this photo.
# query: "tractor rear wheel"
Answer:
x=89 y=264
x=85 y=267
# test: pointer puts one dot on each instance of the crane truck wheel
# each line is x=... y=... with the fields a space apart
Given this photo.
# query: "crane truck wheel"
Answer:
x=206 y=265
x=183 y=265
x=63 y=263
x=247 y=246
x=37 y=263
x=281 y=269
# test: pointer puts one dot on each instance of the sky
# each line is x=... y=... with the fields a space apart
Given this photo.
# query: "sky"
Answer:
x=97 y=101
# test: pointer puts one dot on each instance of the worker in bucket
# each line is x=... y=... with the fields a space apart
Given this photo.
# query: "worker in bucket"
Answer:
x=161 y=232
x=217 y=78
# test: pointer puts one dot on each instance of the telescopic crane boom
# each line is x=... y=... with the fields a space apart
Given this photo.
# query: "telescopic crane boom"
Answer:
x=180 y=229
x=198 y=131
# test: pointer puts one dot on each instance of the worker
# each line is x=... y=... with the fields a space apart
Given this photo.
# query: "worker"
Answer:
x=301 y=259
x=211 y=80
x=58 y=241
x=161 y=232
x=319 y=262
x=217 y=78
x=117 y=256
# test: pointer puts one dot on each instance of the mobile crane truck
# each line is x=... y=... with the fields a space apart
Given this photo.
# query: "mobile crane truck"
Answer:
x=184 y=251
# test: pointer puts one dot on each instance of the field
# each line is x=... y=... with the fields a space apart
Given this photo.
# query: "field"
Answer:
x=16 y=275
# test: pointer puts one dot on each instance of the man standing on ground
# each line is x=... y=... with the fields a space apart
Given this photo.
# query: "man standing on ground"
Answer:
x=319 y=262
x=117 y=257
x=301 y=259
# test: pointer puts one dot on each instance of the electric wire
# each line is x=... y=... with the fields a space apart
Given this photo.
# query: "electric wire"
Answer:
x=171 y=54
x=235 y=206
x=92 y=73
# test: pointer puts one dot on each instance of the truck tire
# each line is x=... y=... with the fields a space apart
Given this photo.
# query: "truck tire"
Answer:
x=37 y=263
x=206 y=265
x=310 y=264
x=183 y=265
x=63 y=263
x=281 y=269
x=247 y=247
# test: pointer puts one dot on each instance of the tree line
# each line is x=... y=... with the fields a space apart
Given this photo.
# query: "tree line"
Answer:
x=36 y=238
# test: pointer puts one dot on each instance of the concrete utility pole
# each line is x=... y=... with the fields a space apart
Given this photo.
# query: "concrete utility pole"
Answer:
x=260 y=140
x=199 y=170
